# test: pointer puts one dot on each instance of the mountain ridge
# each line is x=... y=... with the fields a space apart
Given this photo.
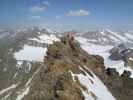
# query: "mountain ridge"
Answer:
x=61 y=55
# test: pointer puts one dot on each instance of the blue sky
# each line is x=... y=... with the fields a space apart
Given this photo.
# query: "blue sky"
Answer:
x=68 y=14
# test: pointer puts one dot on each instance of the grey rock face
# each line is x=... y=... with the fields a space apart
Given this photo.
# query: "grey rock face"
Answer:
x=121 y=52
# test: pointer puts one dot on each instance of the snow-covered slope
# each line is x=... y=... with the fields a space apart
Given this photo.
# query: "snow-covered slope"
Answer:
x=96 y=90
x=48 y=39
x=31 y=53
x=108 y=37
x=103 y=50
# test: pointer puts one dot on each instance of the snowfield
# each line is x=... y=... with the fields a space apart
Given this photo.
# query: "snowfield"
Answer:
x=48 y=39
x=130 y=36
x=31 y=53
x=117 y=36
x=104 y=52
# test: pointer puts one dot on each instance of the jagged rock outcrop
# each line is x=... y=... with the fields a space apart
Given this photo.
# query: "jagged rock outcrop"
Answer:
x=120 y=86
x=57 y=78
x=121 y=52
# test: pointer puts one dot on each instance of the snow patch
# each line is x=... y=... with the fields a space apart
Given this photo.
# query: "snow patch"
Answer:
x=29 y=81
x=130 y=36
x=119 y=66
x=5 y=69
x=6 y=97
x=99 y=90
x=19 y=63
x=131 y=59
x=25 y=92
x=48 y=39
x=9 y=88
x=15 y=75
x=31 y=53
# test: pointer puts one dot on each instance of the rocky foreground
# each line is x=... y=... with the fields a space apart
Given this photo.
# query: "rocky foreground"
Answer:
x=69 y=73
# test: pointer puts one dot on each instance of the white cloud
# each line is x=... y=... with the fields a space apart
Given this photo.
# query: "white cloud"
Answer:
x=57 y=17
x=46 y=3
x=38 y=9
x=36 y=17
x=80 y=12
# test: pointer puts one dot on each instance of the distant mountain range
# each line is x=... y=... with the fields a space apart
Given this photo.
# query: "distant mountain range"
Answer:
x=108 y=37
x=25 y=55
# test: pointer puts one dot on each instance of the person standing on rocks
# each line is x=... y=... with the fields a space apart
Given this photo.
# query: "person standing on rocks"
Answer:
x=70 y=36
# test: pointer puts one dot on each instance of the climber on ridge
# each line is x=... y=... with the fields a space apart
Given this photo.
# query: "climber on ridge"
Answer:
x=70 y=36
